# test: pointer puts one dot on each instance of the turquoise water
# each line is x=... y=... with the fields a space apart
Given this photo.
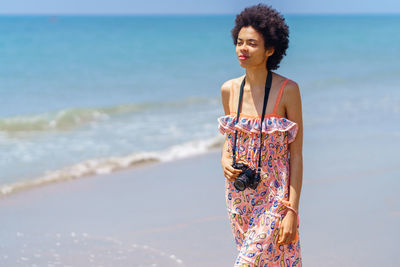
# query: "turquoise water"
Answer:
x=81 y=95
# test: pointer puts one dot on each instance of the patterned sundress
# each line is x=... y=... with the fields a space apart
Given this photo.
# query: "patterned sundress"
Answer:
x=255 y=215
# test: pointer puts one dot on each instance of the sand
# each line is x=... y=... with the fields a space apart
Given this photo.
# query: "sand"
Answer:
x=173 y=214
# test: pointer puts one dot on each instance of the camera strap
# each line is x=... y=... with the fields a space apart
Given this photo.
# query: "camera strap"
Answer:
x=268 y=83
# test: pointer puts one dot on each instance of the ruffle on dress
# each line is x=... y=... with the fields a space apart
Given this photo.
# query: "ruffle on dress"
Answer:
x=251 y=125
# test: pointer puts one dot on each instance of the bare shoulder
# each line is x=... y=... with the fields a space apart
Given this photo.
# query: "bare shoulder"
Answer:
x=290 y=85
x=226 y=95
x=292 y=88
x=292 y=100
x=226 y=88
x=227 y=85
x=291 y=96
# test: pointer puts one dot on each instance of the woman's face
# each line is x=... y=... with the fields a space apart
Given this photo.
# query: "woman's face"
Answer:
x=250 y=49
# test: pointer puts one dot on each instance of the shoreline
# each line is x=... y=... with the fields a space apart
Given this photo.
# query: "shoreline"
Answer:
x=7 y=190
x=108 y=165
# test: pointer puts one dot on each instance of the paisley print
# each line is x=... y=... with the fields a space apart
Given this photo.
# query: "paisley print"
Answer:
x=255 y=215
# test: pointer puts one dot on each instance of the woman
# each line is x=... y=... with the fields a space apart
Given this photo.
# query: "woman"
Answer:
x=264 y=220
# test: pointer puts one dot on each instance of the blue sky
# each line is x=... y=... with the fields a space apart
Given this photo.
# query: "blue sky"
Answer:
x=193 y=6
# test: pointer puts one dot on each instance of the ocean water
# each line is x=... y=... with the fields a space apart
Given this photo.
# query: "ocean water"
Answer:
x=84 y=95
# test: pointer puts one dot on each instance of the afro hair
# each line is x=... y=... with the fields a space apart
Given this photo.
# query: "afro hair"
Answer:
x=271 y=25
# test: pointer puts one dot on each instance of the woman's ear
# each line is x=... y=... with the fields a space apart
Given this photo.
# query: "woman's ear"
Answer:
x=269 y=51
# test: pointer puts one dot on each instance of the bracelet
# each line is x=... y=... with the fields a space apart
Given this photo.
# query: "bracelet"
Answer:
x=289 y=206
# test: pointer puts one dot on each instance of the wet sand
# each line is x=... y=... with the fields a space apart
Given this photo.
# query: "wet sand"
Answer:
x=173 y=214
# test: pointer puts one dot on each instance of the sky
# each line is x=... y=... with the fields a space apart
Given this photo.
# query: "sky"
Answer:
x=54 y=7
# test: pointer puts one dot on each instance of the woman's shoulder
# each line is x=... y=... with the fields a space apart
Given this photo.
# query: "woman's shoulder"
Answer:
x=227 y=89
x=290 y=85
x=229 y=84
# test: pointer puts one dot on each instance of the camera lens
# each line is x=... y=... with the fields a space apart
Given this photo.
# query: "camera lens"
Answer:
x=241 y=182
x=239 y=185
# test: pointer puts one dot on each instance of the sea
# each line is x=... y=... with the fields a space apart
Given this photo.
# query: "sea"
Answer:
x=90 y=95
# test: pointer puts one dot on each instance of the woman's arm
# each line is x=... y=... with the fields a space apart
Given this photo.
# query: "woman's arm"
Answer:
x=294 y=113
x=225 y=95
x=226 y=161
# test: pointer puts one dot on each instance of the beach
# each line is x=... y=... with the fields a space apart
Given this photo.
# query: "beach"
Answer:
x=174 y=209
x=110 y=150
x=173 y=214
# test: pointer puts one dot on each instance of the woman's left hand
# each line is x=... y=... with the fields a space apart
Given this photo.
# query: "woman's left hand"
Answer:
x=288 y=228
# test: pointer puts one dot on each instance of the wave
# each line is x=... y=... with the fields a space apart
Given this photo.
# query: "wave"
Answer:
x=70 y=118
x=100 y=166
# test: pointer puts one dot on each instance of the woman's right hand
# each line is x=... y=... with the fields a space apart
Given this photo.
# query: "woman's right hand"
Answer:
x=229 y=172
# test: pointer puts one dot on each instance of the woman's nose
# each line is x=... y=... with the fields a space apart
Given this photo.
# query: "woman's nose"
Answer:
x=243 y=48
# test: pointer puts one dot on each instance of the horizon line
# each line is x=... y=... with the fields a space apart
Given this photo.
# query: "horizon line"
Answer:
x=188 y=14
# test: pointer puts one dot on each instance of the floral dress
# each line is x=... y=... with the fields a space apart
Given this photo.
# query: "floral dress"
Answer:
x=255 y=215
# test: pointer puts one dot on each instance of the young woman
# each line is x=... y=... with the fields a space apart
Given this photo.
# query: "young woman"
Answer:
x=264 y=221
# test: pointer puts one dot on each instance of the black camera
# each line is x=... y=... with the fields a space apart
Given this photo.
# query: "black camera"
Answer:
x=247 y=178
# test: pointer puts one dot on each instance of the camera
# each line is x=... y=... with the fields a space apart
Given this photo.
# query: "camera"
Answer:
x=247 y=178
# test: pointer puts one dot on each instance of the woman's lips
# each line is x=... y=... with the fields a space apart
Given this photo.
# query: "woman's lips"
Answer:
x=243 y=57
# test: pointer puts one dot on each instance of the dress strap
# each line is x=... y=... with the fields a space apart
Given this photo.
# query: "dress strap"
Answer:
x=278 y=99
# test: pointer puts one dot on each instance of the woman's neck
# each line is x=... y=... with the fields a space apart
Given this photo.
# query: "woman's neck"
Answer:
x=255 y=78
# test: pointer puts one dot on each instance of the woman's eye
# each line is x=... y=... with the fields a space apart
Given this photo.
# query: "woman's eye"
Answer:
x=251 y=44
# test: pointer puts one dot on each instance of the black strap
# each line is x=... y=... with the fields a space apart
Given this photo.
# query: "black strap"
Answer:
x=268 y=83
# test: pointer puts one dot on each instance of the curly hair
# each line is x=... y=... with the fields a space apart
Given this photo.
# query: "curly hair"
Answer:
x=270 y=24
